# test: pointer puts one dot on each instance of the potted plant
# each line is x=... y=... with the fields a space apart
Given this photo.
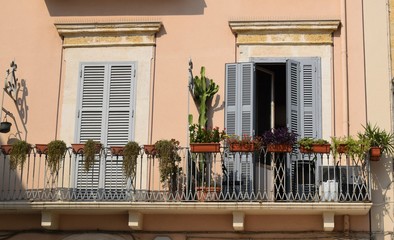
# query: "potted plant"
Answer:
x=205 y=140
x=245 y=143
x=312 y=145
x=167 y=152
x=149 y=149
x=279 y=140
x=353 y=147
x=55 y=153
x=18 y=153
x=379 y=140
x=130 y=155
x=89 y=149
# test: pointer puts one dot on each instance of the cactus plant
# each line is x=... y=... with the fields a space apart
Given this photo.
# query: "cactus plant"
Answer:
x=203 y=91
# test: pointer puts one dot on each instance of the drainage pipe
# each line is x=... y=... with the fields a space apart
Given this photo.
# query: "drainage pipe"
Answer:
x=345 y=75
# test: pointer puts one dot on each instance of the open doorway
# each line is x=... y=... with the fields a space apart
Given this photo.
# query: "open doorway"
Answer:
x=270 y=92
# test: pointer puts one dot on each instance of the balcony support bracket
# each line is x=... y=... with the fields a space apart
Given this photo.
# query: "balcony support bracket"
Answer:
x=135 y=220
x=238 y=221
x=49 y=220
x=328 y=221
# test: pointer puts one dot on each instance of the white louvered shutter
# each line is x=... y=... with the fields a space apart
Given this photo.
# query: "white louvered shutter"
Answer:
x=91 y=119
x=119 y=120
x=106 y=109
x=231 y=102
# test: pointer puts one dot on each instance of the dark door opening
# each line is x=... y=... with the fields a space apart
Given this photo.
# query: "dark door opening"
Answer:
x=270 y=92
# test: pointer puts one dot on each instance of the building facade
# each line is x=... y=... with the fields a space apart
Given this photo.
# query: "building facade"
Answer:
x=120 y=71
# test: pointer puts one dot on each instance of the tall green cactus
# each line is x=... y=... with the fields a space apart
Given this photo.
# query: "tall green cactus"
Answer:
x=203 y=92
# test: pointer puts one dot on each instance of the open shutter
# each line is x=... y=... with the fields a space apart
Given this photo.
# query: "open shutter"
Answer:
x=310 y=95
x=119 y=120
x=239 y=117
x=91 y=119
x=303 y=97
x=293 y=79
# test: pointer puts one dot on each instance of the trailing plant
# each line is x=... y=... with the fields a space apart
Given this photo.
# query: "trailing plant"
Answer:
x=56 y=151
x=279 y=136
x=89 y=152
x=203 y=90
x=130 y=155
x=18 y=154
x=200 y=134
x=167 y=152
x=378 y=138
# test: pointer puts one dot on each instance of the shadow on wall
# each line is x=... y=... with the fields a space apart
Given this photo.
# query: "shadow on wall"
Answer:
x=75 y=8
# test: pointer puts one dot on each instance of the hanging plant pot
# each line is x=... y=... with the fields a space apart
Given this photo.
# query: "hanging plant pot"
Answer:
x=238 y=147
x=117 y=150
x=6 y=149
x=204 y=147
x=5 y=127
x=280 y=148
x=149 y=149
x=42 y=148
x=375 y=153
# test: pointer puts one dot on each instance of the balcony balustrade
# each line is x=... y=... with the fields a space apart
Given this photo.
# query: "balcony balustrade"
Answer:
x=225 y=176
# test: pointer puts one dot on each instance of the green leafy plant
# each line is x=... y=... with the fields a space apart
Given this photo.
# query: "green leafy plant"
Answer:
x=130 y=155
x=200 y=134
x=352 y=146
x=18 y=154
x=167 y=152
x=56 y=151
x=377 y=137
x=308 y=142
x=90 y=150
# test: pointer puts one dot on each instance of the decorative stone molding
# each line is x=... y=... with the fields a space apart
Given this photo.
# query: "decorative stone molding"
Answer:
x=108 y=34
x=284 y=32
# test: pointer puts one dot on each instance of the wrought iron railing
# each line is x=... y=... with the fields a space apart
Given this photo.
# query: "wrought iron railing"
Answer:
x=223 y=176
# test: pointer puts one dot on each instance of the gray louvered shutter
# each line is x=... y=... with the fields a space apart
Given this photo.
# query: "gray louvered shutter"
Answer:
x=231 y=99
x=239 y=113
x=293 y=81
x=310 y=94
x=91 y=119
x=119 y=123
x=303 y=97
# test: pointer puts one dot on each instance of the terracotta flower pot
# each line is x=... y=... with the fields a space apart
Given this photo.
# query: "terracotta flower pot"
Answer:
x=202 y=193
x=205 y=147
x=280 y=148
x=316 y=148
x=375 y=153
x=6 y=149
x=149 y=149
x=342 y=148
x=238 y=147
x=117 y=150
x=42 y=148
x=78 y=148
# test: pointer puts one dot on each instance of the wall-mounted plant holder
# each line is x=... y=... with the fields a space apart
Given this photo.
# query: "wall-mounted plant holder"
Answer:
x=5 y=126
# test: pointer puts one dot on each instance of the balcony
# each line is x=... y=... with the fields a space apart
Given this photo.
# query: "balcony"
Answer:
x=204 y=183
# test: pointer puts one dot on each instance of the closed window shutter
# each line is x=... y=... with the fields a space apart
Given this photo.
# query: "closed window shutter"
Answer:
x=106 y=109
x=91 y=120
x=119 y=121
x=231 y=98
